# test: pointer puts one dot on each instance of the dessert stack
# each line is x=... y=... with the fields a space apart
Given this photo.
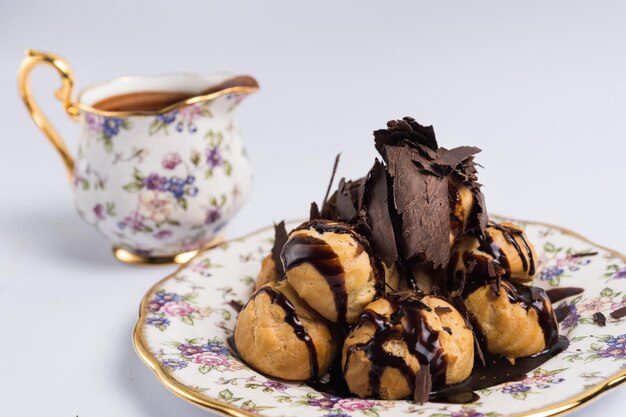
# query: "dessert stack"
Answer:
x=399 y=285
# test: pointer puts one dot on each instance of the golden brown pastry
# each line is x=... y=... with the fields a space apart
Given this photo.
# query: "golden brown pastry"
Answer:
x=280 y=335
x=514 y=321
x=267 y=273
x=393 y=280
x=505 y=251
x=422 y=278
x=461 y=204
x=382 y=354
x=329 y=266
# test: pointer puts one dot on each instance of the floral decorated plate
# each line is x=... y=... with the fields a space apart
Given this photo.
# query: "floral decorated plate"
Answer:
x=186 y=318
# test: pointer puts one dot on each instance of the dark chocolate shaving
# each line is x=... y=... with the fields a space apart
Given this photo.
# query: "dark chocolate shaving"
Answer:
x=314 y=212
x=406 y=132
x=423 y=384
x=599 y=319
x=562 y=311
x=479 y=218
x=447 y=160
x=280 y=238
x=442 y=309
x=345 y=209
x=619 y=313
x=330 y=183
x=447 y=329
x=421 y=201
x=558 y=294
x=235 y=305
x=583 y=254
x=374 y=206
x=403 y=296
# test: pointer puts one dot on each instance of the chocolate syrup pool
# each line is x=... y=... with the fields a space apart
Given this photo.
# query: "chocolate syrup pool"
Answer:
x=497 y=370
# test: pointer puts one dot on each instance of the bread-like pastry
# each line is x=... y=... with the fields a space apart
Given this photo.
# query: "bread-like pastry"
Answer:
x=425 y=278
x=455 y=338
x=393 y=280
x=514 y=321
x=329 y=266
x=267 y=273
x=280 y=335
x=504 y=250
x=461 y=203
x=382 y=354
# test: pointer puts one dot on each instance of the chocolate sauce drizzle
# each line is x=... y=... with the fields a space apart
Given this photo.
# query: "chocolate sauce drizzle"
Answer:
x=528 y=297
x=292 y=319
x=316 y=252
x=406 y=323
x=301 y=249
x=536 y=298
x=488 y=245
x=496 y=370
x=489 y=369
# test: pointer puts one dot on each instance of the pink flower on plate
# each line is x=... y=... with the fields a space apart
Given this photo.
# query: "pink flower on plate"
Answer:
x=351 y=404
x=210 y=359
x=594 y=305
x=386 y=404
x=173 y=308
x=536 y=377
x=236 y=366
x=171 y=160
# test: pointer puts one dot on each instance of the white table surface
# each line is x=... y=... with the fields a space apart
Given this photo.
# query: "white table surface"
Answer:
x=541 y=88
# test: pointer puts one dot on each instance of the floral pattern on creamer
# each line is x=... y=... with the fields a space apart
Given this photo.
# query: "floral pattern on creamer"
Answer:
x=192 y=346
x=163 y=184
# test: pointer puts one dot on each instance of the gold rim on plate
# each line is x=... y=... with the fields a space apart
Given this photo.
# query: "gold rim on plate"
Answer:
x=226 y=409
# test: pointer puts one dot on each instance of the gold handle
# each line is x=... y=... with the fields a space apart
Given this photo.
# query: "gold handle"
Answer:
x=64 y=93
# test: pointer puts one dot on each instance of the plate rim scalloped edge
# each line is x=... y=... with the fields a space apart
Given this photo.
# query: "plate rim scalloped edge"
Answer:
x=230 y=410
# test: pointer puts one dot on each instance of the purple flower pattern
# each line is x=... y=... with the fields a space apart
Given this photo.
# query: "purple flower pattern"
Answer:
x=467 y=412
x=615 y=348
x=105 y=128
x=174 y=364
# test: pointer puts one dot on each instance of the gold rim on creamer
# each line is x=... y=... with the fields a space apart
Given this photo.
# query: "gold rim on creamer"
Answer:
x=227 y=409
x=192 y=100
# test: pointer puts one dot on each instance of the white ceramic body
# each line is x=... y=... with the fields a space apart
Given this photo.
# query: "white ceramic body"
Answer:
x=161 y=184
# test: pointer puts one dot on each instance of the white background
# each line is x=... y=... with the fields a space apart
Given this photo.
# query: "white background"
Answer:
x=540 y=87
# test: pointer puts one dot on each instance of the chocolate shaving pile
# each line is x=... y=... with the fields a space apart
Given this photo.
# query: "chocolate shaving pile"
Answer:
x=402 y=205
x=418 y=171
